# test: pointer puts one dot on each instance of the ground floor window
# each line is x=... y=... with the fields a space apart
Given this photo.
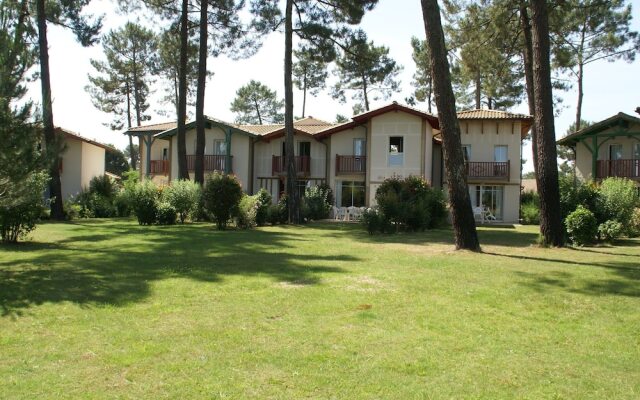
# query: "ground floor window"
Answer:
x=489 y=197
x=350 y=193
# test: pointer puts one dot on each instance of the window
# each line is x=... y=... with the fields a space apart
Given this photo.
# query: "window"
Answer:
x=466 y=152
x=304 y=149
x=490 y=197
x=219 y=147
x=615 y=152
x=500 y=154
x=396 y=151
x=359 y=147
x=351 y=193
x=636 y=160
x=165 y=154
x=636 y=151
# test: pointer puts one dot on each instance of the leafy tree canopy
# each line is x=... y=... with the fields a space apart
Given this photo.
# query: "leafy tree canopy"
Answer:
x=255 y=103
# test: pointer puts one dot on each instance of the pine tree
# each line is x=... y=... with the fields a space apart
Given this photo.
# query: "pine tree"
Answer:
x=422 y=79
x=309 y=74
x=365 y=68
x=255 y=103
x=121 y=87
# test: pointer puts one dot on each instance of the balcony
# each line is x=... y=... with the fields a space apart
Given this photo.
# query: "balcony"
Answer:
x=488 y=170
x=350 y=165
x=279 y=167
x=159 y=167
x=211 y=163
x=618 y=168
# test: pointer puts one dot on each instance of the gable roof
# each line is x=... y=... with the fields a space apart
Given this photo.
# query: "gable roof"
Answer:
x=210 y=121
x=73 y=135
x=362 y=118
x=477 y=114
x=306 y=126
x=620 y=119
x=151 y=128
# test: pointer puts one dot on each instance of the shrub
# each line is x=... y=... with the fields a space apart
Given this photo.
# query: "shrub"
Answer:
x=530 y=213
x=183 y=195
x=316 y=202
x=103 y=186
x=617 y=199
x=166 y=214
x=411 y=203
x=376 y=222
x=582 y=226
x=94 y=205
x=634 y=224
x=530 y=196
x=610 y=231
x=278 y=213
x=574 y=193
x=21 y=207
x=264 y=202
x=247 y=211
x=122 y=203
x=144 y=201
x=221 y=195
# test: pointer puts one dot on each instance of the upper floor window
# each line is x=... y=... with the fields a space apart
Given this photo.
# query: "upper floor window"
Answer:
x=500 y=153
x=466 y=152
x=219 y=147
x=359 y=147
x=615 y=152
x=304 y=149
x=396 y=151
x=636 y=151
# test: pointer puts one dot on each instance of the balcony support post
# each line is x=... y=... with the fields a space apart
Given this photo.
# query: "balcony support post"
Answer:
x=227 y=161
x=148 y=140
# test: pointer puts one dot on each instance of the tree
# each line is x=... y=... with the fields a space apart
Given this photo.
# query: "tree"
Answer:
x=320 y=26
x=309 y=74
x=65 y=14
x=115 y=161
x=464 y=226
x=487 y=40
x=364 y=68
x=547 y=165
x=591 y=30
x=255 y=103
x=422 y=79
x=124 y=78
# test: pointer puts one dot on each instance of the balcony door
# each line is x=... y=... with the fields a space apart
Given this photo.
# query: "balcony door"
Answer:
x=616 y=168
x=359 y=147
x=304 y=149
x=636 y=159
x=500 y=154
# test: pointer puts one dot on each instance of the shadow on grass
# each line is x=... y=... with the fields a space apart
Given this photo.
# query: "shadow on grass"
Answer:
x=624 y=280
x=87 y=268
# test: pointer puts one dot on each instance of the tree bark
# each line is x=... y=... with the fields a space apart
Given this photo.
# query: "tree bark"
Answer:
x=547 y=172
x=464 y=226
x=478 y=91
x=255 y=104
x=293 y=197
x=304 y=93
x=364 y=93
x=527 y=56
x=580 y=96
x=183 y=173
x=132 y=154
x=202 y=83
x=51 y=144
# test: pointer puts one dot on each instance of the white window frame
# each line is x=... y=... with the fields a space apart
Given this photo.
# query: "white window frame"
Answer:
x=363 y=147
x=495 y=152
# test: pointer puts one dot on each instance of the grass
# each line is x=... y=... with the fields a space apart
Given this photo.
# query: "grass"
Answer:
x=109 y=309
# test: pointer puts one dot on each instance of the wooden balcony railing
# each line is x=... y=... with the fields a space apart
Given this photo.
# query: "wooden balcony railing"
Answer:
x=279 y=167
x=488 y=170
x=159 y=167
x=211 y=163
x=351 y=164
x=618 y=168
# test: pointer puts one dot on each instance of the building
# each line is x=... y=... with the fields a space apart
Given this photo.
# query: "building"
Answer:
x=609 y=148
x=354 y=157
x=82 y=159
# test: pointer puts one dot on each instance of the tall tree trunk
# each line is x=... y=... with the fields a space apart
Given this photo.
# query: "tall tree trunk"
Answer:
x=183 y=173
x=51 y=144
x=478 y=91
x=304 y=93
x=202 y=83
x=364 y=93
x=580 y=95
x=136 y=91
x=429 y=95
x=292 y=186
x=547 y=172
x=464 y=226
x=132 y=154
x=527 y=56
x=255 y=104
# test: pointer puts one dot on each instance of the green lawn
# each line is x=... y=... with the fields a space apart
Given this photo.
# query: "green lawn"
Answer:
x=109 y=309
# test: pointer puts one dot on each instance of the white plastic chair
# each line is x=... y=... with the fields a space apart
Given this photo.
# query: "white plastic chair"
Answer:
x=478 y=212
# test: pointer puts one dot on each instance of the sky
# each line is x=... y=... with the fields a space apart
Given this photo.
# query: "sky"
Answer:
x=609 y=87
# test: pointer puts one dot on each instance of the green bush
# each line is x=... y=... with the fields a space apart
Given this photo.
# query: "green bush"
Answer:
x=617 y=199
x=264 y=202
x=582 y=226
x=247 y=211
x=103 y=186
x=376 y=222
x=94 y=205
x=122 y=203
x=21 y=206
x=183 y=195
x=610 y=231
x=166 y=214
x=317 y=204
x=144 y=201
x=278 y=213
x=634 y=224
x=411 y=204
x=530 y=213
x=530 y=196
x=221 y=196
x=574 y=193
